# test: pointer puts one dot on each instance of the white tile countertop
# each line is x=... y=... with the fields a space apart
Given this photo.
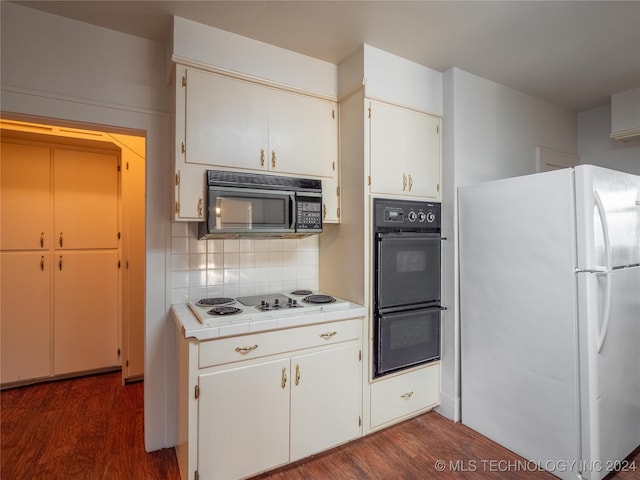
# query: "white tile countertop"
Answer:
x=226 y=327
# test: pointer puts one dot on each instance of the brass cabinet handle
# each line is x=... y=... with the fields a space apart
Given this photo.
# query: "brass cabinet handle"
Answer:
x=404 y=182
x=42 y=240
x=262 y=157
x=297 y=374
x=273 y=159
x=61 y=240
x=42 y=263
x=60 y=262
x=328 y=334
x=410 y=182
x=407 y=395
x=283 y=383
x=246 y=349
x=200 y=207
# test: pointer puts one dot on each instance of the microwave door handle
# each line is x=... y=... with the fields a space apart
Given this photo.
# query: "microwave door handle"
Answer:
x=292 y=211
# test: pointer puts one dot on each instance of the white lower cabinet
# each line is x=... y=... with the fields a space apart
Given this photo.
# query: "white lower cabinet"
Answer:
x=395 y=398
x=325 y=399
x=288 y=394
x=243 y=420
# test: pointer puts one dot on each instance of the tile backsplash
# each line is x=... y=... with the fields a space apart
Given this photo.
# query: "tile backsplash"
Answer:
x=237 y=267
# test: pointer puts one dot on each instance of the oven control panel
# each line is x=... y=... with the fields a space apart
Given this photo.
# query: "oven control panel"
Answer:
x=406 y=215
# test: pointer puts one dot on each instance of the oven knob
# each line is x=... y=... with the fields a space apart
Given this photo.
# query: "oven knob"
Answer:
x=412 y=216
x=431 y=217
x=421 y=216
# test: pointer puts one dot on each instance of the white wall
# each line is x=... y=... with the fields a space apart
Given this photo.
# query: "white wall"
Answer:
x=596 y=148
x=62 y=69
x=490 y=131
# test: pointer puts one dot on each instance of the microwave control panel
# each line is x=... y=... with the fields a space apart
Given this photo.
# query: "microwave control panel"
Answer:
x=309 y=214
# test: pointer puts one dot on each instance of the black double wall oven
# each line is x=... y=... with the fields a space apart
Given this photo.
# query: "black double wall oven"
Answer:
x=407 y=277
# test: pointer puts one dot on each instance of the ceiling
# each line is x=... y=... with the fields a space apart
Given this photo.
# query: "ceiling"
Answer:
x=572 y=53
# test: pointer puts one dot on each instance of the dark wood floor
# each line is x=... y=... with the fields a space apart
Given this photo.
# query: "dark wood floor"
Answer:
x=92 y=428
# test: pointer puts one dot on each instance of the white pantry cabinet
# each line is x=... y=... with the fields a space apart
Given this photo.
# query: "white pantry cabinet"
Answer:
x=226 y=122
x=25 y=310
x=404 y=151
x=254 y=402
x=60 y=262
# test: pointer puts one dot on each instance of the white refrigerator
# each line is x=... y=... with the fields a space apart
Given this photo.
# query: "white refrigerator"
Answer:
x=550 y=317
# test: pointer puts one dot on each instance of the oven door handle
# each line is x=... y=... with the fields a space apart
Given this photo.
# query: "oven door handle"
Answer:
x=410 y=235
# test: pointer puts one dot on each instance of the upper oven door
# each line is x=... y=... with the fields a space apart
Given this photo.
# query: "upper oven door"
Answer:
x=244 y=210
x=407 y=270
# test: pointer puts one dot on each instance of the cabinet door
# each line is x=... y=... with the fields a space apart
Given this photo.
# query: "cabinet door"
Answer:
x=25 y=196
x=326 y=399
x=86 y=199
x=330 y=201
x=404 y=151
x=226 y=121
x=190 y=193
x=243 y=420
x=25 y=320
x=424 y=170
x=303 y=135
x=86 y=310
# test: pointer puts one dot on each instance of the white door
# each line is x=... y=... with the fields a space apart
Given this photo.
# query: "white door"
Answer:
x=86 y=317
x=303 y=135
x=243 y=420
x=325 y=399
x=227 y=121
x=25 y=318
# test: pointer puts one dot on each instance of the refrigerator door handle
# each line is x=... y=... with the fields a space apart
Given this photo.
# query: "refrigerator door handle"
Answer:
x=607 y=295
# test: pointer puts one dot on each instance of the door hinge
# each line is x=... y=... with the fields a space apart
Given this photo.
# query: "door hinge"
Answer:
x=119 y=352
x=359 y=421
x=177 y=178
x=369 y=180
x=127 y=165
x=183 y=147
x=337 y=191
x=126 y=264
x=119 y=235
x=119 y=264
x=197 y=391
x=438 y=188
x=177 y=207
x=369 y=112
x=333 y=113
x=196 y=475
x=437 y=128
x=126 y=363
x=360 y=356
x=184 y=81
x=338 y=212
x=119 y=168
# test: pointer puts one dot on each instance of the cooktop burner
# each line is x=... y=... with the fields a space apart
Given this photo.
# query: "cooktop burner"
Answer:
x=224 y=311
x=301 y=292
x=215 y=301
x=319 y=299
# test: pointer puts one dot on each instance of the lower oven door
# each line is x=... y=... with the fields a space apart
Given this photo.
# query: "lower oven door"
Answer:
x=406 y=338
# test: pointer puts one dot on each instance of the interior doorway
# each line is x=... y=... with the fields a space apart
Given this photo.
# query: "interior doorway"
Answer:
x=131 y=148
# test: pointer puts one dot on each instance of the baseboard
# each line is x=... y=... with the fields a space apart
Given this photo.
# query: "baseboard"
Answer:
x=449 y=407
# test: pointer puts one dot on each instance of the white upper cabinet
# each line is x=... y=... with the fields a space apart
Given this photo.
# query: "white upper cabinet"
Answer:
x=229 y=123
x=404 y=151
x=233 y=123
x=303 y=134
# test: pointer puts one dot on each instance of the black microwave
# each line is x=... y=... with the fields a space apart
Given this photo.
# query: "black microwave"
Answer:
x=260 y=205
